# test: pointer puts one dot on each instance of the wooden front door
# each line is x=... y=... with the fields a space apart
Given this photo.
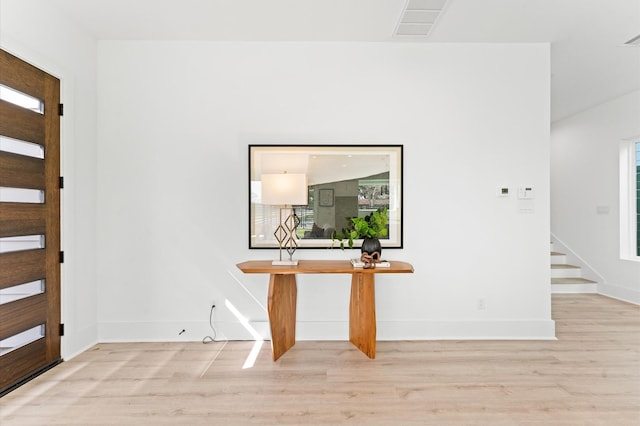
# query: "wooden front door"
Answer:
x=29 y=221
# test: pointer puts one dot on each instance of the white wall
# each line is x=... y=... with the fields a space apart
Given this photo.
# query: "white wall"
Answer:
x=585 y=152
x=174 y=123
x=41 y=35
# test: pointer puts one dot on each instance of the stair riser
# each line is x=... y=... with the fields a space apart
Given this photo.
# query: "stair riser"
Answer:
x=566 y=273
x=558 y=258
x=574 y=288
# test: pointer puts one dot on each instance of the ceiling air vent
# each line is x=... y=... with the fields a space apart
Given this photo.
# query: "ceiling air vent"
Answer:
x=419 y=17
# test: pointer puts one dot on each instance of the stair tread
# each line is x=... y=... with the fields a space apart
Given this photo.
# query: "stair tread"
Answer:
x=557 y=253
x=573 y=280
x=563 y=266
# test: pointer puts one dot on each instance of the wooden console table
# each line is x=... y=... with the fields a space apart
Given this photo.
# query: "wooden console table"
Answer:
x=283 y=291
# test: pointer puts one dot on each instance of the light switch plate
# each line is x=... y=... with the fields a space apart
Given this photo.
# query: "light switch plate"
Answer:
x=526 y=192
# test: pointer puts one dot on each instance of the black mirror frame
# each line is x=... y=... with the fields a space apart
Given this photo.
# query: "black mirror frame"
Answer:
x=395 y=190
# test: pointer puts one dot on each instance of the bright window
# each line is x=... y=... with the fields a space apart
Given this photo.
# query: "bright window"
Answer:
x=637 y=200
x=630 y=199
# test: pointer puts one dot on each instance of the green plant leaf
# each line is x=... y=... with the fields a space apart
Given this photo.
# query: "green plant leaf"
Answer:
x=373 y=225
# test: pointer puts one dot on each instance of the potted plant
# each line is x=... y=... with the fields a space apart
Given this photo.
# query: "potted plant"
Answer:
x=369 y=228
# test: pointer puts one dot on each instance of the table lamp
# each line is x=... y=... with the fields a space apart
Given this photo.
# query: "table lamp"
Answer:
x=285 y=190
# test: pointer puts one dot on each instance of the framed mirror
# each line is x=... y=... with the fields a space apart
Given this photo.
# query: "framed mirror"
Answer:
x=343 y=181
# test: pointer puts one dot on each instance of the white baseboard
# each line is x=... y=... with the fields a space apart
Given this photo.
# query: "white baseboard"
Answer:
x=194 y=331
x=574 y=288
x=335 y=330
x=620 y=293
x=75 y=342
x=468 y=330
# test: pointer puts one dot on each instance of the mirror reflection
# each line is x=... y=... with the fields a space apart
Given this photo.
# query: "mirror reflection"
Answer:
x=343 y=182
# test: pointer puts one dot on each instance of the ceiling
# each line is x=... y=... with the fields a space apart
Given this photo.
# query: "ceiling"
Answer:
x=589 y=62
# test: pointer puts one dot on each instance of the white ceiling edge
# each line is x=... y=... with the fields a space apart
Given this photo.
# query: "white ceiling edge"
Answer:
x=589 y=62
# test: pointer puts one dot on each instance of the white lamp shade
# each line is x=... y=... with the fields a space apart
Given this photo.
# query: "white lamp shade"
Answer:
x=285 y=189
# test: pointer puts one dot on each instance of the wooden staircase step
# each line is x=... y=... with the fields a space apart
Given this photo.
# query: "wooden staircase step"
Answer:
x=563 y=266
x=566 y=278
x=572 y=280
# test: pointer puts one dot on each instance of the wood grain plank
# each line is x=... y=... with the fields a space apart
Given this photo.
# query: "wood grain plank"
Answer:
x=52 y=204
x=21 y=362
x=319 y=267
x=20 y=171
x=23 y=314
x=21 y=124
x=21 y=267
x=22 y=219
x=362 y=313
x=281 y=305
x=21 y=76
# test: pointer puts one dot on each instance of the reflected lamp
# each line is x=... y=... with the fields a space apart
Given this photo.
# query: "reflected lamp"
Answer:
x=285 y=190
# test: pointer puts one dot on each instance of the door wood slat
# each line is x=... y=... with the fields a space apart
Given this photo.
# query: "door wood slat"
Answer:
x=21 y=171
x=23 y=314
x=21 y=124
x=19 y=364
x=21 y=76
x=21 y=267
x=22 y=219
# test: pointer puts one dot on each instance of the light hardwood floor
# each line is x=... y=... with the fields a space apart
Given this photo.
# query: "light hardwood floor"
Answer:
x=589 y=376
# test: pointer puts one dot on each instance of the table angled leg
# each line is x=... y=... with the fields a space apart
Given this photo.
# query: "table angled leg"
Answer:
x=281 y=306
x=362 y=313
